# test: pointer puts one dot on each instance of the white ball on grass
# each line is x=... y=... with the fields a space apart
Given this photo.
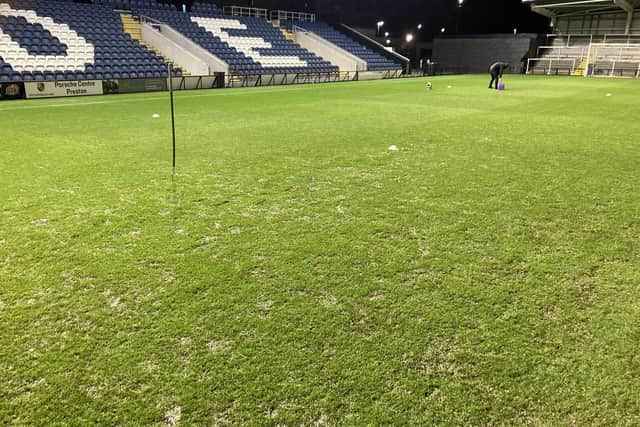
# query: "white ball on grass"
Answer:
x=393 y=148
x=155 y=116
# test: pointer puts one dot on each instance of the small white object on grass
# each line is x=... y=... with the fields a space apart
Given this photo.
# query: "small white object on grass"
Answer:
x=393 y=148
x=156 y=116
x=609 y=94
x=449 y=87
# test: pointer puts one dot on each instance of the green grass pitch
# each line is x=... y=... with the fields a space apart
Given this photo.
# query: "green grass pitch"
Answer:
x=297 y=272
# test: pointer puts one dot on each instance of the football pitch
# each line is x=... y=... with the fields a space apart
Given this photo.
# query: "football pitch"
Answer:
x=298 y=272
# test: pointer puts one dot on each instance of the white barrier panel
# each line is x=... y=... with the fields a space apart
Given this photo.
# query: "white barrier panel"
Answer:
x=64 y=88
x=370 y=75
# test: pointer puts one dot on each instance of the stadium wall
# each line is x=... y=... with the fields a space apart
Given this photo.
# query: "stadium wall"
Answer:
x=330 y=52
x=474 y=54
x=214 y=63
x=174 y=51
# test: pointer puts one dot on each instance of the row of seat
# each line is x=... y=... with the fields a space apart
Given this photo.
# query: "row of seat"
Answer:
x=59 y=35
x=49 y=76
x=129 y=4
x=249 y=45
x=206 y=9
x=568 y=52
x=374 y=60
x=56 y=36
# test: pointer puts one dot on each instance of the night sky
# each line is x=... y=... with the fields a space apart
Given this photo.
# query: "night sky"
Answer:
x=400 y=16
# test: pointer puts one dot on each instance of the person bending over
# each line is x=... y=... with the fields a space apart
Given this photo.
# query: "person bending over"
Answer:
x=496 y=71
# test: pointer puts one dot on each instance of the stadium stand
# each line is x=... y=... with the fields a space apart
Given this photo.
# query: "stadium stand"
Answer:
x=62 y=40
x=602 y=55
x=375 y=61
x=557 y=56
x=597 y=37
x=51 y=40
x=250 y=45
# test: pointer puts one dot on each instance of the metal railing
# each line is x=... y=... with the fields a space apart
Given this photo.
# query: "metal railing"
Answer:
x=615 y=68
x=147 y=20
x=282 y=79
x=613 y=59
x=297 y=29
x=626 y=38
x=199 y=82
x=570 y=36
x=561 y=65
x=246 y=11
x=578 y=49
x=292 y=16
x=595 y=38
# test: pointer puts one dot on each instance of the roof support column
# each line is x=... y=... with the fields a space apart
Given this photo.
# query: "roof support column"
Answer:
x=627 y=7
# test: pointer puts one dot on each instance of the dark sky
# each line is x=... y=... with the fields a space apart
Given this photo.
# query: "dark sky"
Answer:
x=475 y=16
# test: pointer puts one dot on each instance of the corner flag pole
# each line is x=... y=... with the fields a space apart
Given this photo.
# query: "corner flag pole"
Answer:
x=173 y=121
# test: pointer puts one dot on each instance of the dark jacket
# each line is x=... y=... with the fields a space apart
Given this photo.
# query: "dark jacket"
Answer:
x=498 y=68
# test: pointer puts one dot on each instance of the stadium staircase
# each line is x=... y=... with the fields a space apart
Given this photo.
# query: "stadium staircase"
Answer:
x=249 y=45
x=286 y=33
x=581 y=68
x=131 y=26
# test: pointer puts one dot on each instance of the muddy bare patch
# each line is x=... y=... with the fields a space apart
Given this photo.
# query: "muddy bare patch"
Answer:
x=439 y=359
x=376 y=296
x=93 y=392
x=172 y=416
x=264 y=306
x=323 y=421
x=327 y=300
x=219 y=346
x=223 y=418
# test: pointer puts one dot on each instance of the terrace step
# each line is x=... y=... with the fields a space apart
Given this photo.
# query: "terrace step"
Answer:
x=133 y=27
x=581 y=68
x=286 y=33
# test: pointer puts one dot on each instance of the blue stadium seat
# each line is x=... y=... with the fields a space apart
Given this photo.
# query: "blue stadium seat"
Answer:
x=375 y=61
x=229 y=38
x=96 y=23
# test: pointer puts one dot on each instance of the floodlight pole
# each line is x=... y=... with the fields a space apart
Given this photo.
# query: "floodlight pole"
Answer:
x=173 y=121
